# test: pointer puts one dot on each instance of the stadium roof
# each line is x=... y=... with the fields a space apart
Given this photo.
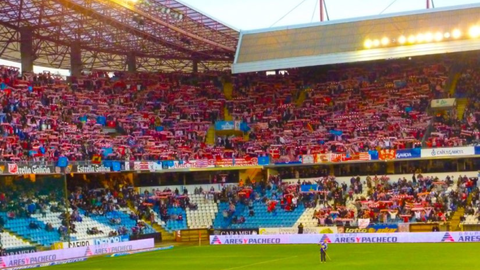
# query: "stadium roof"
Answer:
x=163 y=34
x=424 y=32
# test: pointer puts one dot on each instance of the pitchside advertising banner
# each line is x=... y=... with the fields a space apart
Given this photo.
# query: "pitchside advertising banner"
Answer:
x=27 y=259
x=373 y=228
x=306 y=230
x=353 y=238
x=91 y=242
x=235 y=232
x=448 y=152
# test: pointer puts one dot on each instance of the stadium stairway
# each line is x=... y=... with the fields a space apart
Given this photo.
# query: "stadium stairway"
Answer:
x=453 y=84
x=455 y=221
x=228 y=90
x=226 y=115
x=461 y=106
x=205 y=213
x=301 y=98
x=210 y=140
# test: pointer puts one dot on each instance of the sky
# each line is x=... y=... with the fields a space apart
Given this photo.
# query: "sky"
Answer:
x=258 y=14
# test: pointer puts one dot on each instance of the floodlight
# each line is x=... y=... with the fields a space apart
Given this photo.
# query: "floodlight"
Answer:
x=376 y=43
x=428 y=37
x=402 y=39
x=474 y=31
x=367 y=44
x=385 y=41
x=438 y=36
x=420 y=38
x=456 y=34
x=411 y=39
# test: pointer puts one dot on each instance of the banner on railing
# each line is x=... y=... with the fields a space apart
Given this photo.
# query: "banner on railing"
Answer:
x=13 y=168
x=93 y=168
x=353 y=238
x=443 y=103
x=477 y=150
x=20 y=260
x=235 y=231
x=408 y=153
x=306 y=230
x=236 y=162
x=448 y=152
x=91 y=242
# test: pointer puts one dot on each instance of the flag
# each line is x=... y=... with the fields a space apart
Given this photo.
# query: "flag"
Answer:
x=97 y=159
x=309 y=127
x=62 y=162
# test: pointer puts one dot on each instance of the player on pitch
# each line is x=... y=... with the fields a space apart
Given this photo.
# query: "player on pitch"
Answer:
x=323 y=251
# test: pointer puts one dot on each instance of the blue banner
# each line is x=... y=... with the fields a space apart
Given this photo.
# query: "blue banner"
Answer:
x=308 y=188
x=477 y=150
x=116 y=166
x=288 y=163
x=373 y=154
x=336 y=132
x=62 y=162
x=224 y=125
x=263 y=161
x=102 y=120
x=408 y=153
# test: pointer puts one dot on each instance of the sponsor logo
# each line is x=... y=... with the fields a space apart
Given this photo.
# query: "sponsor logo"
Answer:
x=92 y=168
x=466 y=238
x=88 y=252
x=403 y=155
x=216 y=241
x=325 y=239
x=235 y=232
x=35 y=169
x=365 y=239
x=447 y=238
x=251 y=241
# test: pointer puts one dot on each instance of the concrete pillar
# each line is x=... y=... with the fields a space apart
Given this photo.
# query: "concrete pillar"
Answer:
x=26 y=49
x=76 y=64
x=131 y=62
x=195 y=66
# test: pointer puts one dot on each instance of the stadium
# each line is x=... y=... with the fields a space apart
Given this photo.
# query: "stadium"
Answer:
x=179 y=142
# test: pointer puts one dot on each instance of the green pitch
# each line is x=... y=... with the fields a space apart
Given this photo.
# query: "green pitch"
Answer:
x=444 y=256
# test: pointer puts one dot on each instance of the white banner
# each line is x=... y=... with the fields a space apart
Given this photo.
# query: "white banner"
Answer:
x=92 y=242
x=306 y=230
x=443 y=103
x=448 y=152
x=51 y=256
x=346 y=238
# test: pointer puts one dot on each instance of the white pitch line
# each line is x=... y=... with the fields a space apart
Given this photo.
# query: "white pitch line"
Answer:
x=243 y=266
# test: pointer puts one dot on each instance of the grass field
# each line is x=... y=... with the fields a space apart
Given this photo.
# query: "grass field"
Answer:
x=303 y=257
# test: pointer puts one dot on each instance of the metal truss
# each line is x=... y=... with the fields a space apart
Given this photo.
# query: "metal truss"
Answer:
x=163 y=34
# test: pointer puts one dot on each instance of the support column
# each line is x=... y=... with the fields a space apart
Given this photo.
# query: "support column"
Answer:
x=195 y=66
x=428 y=4
x=131 y=62
x=321 y=10
x=26 y=49
x=76 y=64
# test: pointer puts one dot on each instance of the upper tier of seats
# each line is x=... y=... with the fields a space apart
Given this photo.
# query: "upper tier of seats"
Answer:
x=342 y=109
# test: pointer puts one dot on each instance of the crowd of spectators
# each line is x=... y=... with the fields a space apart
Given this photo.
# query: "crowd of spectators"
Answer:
x=452 y=129
x=350 y=109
